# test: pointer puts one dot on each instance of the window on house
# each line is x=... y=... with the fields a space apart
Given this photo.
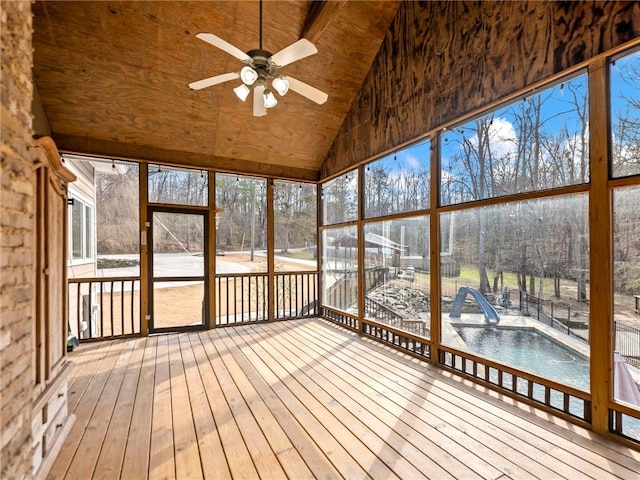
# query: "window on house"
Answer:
x=81 y=230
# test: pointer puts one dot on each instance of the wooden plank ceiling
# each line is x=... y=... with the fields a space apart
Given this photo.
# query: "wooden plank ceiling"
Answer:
x=113 y=79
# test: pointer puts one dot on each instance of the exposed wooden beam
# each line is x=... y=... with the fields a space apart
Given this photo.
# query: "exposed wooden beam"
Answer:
x=321 y=14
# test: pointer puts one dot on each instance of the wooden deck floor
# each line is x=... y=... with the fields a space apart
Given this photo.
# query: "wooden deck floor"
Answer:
x=305 y=399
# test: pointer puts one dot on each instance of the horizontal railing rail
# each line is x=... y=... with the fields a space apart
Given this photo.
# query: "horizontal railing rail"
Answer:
x=104 y=307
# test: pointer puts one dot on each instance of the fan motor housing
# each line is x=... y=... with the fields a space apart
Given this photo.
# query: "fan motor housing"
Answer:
x=261 y=63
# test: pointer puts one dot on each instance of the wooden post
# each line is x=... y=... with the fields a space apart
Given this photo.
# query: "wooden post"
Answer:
x=144 y=250
x=211 y=240
x=271 y=259
x=600 y=252
x=361 y=249
x=319 y=248
x=434 y=261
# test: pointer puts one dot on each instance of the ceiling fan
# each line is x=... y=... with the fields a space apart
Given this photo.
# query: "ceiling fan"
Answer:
x=260 y=68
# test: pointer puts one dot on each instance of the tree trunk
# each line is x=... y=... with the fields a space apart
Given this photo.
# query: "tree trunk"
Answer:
x=556 y=285
x=532 y=283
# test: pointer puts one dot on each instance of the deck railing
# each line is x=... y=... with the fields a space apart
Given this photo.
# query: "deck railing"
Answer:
x=243 y=298
x=342 y=294
x=531 y=388
x=101 y=308
x=627 y=342
x=296 y=295
x=109 y=307
x=376 y=311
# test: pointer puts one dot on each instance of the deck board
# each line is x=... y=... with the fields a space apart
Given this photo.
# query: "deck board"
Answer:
x=254 y=438
x=340 y=395
x=306 y=399
x=529 y=455
x=317 y=462
x=303 y=408
x=575 y=451
x=161 y=455
x=135 y=463
x=111 y=455
x=186 y=450
x=214 y=464
x=236 y=452
x=290 y=459
x=411 y=437
x=84 y=394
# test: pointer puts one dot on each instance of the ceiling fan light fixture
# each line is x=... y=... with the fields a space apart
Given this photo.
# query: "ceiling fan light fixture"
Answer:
x=242 y=92
x=248 y=75
x=270 y=99
x=260 y=67
x=281 y=85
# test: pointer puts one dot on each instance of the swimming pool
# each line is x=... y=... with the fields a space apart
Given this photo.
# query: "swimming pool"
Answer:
x=528 y=350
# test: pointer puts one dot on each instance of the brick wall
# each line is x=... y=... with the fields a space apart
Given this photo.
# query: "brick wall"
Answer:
x=17 y=254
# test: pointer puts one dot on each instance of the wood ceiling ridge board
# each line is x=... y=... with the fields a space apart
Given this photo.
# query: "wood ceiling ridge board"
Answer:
x=341 y=131
x=319 y=16
x=358 y=59
x=282 y=22
x=360 y=20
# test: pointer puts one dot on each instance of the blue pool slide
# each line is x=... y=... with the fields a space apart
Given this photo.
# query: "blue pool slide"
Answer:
x=491 y=316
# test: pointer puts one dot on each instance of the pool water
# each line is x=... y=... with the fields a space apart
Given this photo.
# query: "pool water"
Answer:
x=529 y=350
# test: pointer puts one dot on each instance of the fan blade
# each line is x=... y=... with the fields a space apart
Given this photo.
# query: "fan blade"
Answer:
x=224 y=45
x=259 y=110
x=207 y=82
x=308 y=91
x=296 y=51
